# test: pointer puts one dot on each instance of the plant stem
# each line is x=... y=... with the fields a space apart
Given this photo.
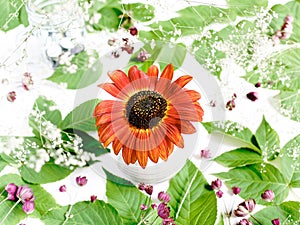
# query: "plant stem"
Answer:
x=256 y=220
x=3 y=200
x=154 y=220
x=11 y=209
x=67 y=215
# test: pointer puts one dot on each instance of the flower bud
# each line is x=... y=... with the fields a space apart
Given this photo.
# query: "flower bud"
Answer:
x=245 y=208
x=253 y=96
x=25 y=194
x=63 y=188
x=245 y=222
x=163 y=211
x=11 y=96
x=205 y=154
x=133 y=31
x=268 y=195
x=93 y=198
x=28 y=207
x=219 y=193
x=81 y=181
x=163 y=197
x=216 y=184
x=143 y=207
x=236 y=190
x=11 y=190
x=142 y=186
x=276 y=221
x=149 y=189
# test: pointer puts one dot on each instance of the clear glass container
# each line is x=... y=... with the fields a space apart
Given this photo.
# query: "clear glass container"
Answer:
x=58 y=26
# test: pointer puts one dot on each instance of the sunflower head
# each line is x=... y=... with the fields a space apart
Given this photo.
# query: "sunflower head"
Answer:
x=149 y=114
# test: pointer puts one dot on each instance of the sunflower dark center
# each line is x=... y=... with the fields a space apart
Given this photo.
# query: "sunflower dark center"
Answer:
x=145 y=109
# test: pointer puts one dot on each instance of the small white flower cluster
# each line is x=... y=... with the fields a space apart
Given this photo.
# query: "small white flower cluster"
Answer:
x=229 y=127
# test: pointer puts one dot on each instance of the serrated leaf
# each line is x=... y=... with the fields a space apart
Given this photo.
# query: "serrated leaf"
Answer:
x=140 y=12
x=117 y=180
x=86 y=212
x=239 y=157
x=191 y=20
x=290 y=161
x=81 y=118
x=13 y=13
x=287 y=212
x=234 y=130
x=191 y=200
x=126 y=200
x=84 y=75
x=267 y=139
x=247 y=8
x=255 y=179
x=50 y=172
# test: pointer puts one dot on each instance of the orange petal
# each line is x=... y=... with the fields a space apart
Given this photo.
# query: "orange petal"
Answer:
x=126 y=154
x=163 y=151
x=119 y=78
x=174 y=135
x=113 y=90
x=117 y=145
x=142 y=157
x=134 y=73
x=194 y=95
x=199 y=110
x=133 y=157
x=183 y=80
x=106 y=134
x=170 y=148
x=152 y=71
x=103 y=107
x=168 y=72
x=154 y=155
x=187 y=127
x=184 y=112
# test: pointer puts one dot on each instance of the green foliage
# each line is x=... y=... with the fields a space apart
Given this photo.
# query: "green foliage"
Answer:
x=87 y=73
x=287 y=212
x=125 y=198
x=86 y=212
x=81 y=117
x=255 y=179
x=246 y=8
x=13 y=13
x=191 y=200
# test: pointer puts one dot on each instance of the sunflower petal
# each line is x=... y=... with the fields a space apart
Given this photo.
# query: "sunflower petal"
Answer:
x=168 y=72
x=134 y=73
x=126 y=154
x=113 y=90
x=152 y=71
x=142 y=157
x=174 y=135
x=133 y=157
x=154 y=155
x=117 y=146
x=186 y=127
x=194 y=95
x=103 y=107
x=163 y=151
x=119 y=78
x=183 y=80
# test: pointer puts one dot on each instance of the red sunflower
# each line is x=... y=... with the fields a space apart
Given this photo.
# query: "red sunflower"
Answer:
x=149 y=114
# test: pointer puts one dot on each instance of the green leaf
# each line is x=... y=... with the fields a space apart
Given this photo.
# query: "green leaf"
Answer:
x=15 y=216
x=13 y=13
x=255 y=179
x=126 y=199
x=268 y=140
x=247 y=8
x=109 y=19
x=289 y=104
x=191 y=201
x=191 y=20
x=140 y=12
x=3 y=164
x=86 y=212
x=239 y=157
x=291 y=8
x=85 y=74
x=287 y=212
x=50 y=172
x=90 y=144
x=233 y=130
x=290 y=161
x=81 y=118
x=117 y=180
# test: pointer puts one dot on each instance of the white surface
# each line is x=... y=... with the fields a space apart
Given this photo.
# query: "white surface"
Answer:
x=14 y=116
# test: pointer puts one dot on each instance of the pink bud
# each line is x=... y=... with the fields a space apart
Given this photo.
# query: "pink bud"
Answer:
x=253 y=96
x=133 y=31
x=153 y=206
x=163 y=211
x=276 y=221
x=289 y=19
x=219 y=193
x=93 y=198
x=216 y=184
x=11 y=190
x=236 y=190
x=28 y=207
x=63 y=188
x=143 y=207
x=268 y=195
x=11 y=96
x=81 y=181
x=163 y=197
x=142 y=186
x=257 y=85
x=245 y=222
x=149 y=189
x=245 y=208
x=25 y=194
x=205 y=154
x=27 y=81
